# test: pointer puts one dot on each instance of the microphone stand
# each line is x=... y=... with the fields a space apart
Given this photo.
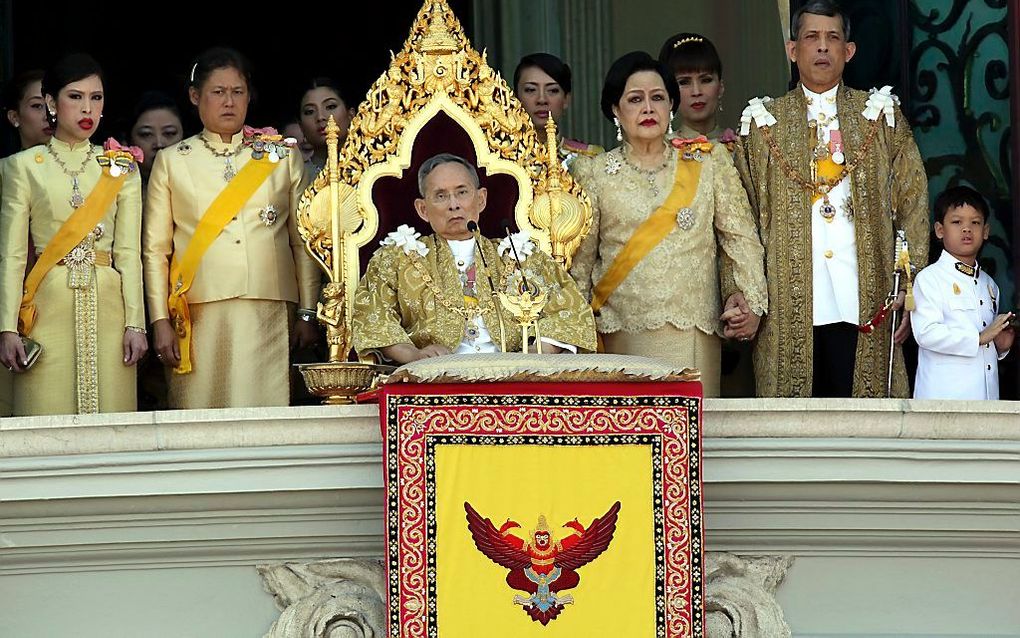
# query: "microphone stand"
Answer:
x=473 y=228
x=524 y=281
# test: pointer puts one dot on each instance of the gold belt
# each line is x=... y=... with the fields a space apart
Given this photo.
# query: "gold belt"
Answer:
x=102 y=258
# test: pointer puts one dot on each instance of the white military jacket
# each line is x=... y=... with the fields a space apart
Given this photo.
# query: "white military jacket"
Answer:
x=953 y=307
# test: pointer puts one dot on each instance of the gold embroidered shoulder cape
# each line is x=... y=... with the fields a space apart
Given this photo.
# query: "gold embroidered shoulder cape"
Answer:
x=394 y=304
x=891 y=172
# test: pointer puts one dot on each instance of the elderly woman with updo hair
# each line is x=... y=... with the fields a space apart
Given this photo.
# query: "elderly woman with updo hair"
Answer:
x=661 y=207
x=82 y=299
x=228 y=282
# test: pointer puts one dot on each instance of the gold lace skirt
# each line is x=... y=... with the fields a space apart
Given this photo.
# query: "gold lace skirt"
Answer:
x=51 y=386
x=680 y=348
x=240 y=356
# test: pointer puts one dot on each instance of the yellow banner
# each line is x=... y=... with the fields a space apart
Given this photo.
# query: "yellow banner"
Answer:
x=615 y=590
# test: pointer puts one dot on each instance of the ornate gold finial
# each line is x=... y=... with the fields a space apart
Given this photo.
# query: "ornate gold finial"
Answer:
x=438 y=40
x=688 y=40
x=560 y=213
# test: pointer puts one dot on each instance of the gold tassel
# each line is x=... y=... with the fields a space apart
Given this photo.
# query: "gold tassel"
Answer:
x=904 y=262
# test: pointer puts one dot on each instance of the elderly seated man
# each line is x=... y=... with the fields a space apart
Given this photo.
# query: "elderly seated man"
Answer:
x=434 y=296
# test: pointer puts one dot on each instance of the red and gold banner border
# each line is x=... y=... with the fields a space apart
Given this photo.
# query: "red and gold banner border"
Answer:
x=414 y=414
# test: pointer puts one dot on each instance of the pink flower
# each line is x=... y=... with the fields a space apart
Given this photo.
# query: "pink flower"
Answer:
x=113 y=145
x=679 y=142
x=269 y=131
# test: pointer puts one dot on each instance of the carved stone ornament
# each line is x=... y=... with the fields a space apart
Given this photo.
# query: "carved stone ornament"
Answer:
x=740 y=599
x=436 y=71
x=341 y=598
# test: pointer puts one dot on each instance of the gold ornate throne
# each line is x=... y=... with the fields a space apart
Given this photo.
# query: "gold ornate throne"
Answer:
x=438 y=95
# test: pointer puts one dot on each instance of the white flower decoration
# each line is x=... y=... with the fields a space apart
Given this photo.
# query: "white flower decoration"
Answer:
x=406 y=237
x=756 y=111
x=882 y=102
x=522 y=242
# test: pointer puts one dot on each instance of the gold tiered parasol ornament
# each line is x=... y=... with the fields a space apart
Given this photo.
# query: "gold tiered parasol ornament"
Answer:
x=436 y=71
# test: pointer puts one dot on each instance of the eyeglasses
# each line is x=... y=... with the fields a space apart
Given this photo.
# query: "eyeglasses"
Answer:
x=441 y=198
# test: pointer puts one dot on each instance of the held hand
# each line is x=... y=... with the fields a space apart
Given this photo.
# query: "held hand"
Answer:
x=740 y=322
x=135 y=347
x=903 y=331
x=164 y=341
x=1004 y=342
x=12 y=351
x=305 y=335
x=991 y=332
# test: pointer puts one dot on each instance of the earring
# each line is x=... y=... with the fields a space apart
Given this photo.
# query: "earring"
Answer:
x=720 y=107
x=619 y=131
x=670 y=131
x=17 y=124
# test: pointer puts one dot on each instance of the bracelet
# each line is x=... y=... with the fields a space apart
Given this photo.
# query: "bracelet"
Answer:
x=140 y=331
x=306 y=315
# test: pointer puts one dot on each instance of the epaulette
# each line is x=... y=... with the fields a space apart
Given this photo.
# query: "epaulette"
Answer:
x=756 y=111
x=882 y=102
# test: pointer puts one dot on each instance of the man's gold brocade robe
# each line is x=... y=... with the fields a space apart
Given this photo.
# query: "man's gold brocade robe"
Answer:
x=890 y=177
x=408 y=298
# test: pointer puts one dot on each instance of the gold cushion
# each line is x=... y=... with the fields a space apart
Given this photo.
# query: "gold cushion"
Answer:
x=519 y=367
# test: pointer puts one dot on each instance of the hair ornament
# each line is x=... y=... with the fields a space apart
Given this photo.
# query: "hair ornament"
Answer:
x=194 y=68
x=688 y=40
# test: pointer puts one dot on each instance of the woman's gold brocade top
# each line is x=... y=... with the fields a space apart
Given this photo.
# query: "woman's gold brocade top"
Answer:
x=678 y=281
x=36 y=200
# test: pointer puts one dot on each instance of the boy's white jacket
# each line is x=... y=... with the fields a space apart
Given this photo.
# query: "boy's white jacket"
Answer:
x=952 y=310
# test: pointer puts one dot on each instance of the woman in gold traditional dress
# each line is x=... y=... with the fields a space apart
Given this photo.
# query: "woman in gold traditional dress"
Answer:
x=321 y=99
x=26 y=112
x=695 y=63
x=83 y=302
x=26 y=109
x=660 y=209
x=543 y=84
x=225 y=268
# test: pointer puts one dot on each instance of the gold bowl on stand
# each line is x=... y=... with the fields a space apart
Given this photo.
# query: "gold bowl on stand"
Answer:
x=338 y=383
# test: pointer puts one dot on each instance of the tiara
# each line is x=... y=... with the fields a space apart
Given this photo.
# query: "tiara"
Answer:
x=193 y=69
x=688 y=40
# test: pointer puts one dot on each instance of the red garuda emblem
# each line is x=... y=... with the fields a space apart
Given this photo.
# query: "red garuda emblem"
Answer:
x=540 y=565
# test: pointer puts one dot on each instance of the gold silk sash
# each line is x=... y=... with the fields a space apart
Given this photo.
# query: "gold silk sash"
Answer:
x=651 y=231
x=71 y=233
x=182 y=272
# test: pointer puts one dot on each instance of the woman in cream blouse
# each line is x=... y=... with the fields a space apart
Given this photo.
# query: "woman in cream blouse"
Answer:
x=649 y=263
x=88 y=309
x=225 y=268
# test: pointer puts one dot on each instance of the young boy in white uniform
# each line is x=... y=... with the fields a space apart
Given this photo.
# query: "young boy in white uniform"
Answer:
x=957 y=323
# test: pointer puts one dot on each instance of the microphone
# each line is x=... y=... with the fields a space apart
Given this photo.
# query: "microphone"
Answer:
x=472 y=227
